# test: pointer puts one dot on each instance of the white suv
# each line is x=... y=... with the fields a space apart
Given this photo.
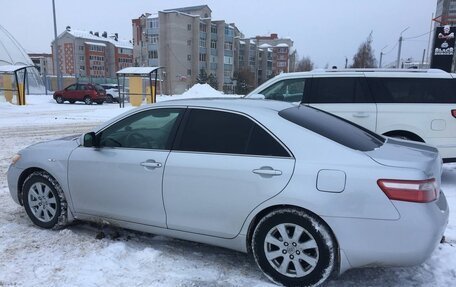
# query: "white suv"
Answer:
x=112 y=92
x=417 y=105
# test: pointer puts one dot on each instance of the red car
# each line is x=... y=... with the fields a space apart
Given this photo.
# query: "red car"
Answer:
x=83 y=92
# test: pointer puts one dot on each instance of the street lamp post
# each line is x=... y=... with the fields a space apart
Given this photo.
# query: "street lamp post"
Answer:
x=56 y=47
x=381 y=56
x=399 y=49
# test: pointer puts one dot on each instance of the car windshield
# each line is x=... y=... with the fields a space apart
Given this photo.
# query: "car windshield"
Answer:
x=333 y=128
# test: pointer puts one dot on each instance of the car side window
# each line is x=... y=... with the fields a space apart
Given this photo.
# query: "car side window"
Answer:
x=290 y=90
x=71 y=88
x=334 y=90
x=82 y=87
x=228 y=133
x=413 y=90
x=152 y=129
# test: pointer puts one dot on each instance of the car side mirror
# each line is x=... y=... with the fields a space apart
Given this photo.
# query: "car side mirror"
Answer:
x=90 y=140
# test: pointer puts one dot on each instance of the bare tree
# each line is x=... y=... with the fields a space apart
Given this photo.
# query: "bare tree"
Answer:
x=365 y=58
x=305 y=64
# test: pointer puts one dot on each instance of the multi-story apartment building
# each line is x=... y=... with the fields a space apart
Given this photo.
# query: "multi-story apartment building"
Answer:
x=266 y=56
x=43 y=63
x=89 y=54
x=186 y=41
x=446 y=12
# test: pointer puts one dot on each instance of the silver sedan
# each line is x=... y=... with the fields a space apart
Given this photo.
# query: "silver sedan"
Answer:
x=307 y=193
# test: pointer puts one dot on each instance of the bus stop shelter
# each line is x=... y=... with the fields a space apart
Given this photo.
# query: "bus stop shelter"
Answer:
x=137 y=76
x=13 y=81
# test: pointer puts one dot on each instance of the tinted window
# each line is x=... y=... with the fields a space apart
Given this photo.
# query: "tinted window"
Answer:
x=333 y=128
x=224 y=132
x=71 y=88
x=151 y=129
x=82 y=87
x=291 y=90
x=413 y=90
x=339 y=90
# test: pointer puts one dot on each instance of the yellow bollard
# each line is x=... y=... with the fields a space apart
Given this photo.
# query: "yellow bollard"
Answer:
x=21 y=95
x=135 y=91
x=150 y=99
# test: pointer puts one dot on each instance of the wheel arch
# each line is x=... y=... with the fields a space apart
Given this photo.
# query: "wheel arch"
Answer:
x=24 y=175
x=257 y=218
x=403 y=133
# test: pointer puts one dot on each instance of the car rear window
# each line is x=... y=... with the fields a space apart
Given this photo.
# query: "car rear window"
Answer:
x=99 y=88
x=333 y=128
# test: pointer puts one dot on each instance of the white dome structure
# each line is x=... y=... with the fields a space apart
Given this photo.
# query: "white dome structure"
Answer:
x=12 y=53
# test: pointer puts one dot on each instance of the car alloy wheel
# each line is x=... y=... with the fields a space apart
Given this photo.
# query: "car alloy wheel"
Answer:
x=59 y=100
x=294 y=248
x=88 y=100
x=44 y=200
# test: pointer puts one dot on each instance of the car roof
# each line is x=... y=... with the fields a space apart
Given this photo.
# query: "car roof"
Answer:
x=235 y=104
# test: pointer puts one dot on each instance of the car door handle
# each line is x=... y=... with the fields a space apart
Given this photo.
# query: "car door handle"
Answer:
x=151 y=164
x=361 y=115
x=268 y=171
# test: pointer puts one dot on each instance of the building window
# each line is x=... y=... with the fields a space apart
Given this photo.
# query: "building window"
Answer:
x=203 y=43
x=189 y=27
x=227 y=60
x=154 y=23
x=154 y=38
x=82 y=68
x=153 y=54
x=228 y=46
x=281 y=64
x=202 y=27
x=189 y=72
x=189 y=42
x=81 y=58
x=189 y=57
x=81 y=48
x=214 y=29
x=202 y=57
x=213 y=44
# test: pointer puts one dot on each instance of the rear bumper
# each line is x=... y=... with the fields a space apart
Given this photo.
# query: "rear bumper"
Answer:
x=407 y=241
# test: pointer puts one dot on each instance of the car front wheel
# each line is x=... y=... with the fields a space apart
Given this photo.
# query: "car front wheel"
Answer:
x=59 y=99
x=294 y=248
x=44 y=201
x=109 y=99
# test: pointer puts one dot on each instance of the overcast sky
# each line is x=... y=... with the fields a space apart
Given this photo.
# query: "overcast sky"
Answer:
x=326 y=31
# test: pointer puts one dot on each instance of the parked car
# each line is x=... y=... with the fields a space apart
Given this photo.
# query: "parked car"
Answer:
x=112 y=92
x=82 y=92
x=418 y=105
x=308 y=193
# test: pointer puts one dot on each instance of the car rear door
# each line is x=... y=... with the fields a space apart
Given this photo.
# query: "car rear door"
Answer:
x=222 y=166
x=346 y=96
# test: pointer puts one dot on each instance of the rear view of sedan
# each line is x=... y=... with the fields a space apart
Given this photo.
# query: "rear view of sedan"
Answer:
x=307 y=193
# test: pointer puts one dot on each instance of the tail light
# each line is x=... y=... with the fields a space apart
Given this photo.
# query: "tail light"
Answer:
x=453 y=113
x=410 y=190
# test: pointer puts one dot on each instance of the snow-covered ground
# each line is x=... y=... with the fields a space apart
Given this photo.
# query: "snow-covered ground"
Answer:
x=30 y=256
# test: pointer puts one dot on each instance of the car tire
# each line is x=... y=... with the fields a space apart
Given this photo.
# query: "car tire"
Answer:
x=109 y=99
x=44 y=201
x=88 y=100
x=294 y=248
x=59 y=100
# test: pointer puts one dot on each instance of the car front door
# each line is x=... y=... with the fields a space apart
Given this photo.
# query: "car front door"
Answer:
x=81 y=92
x=345 y=96
x=122 y=178
x=71 y=92
x=223 y=165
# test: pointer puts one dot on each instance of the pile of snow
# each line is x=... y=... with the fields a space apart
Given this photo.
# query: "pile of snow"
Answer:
x=197 y=91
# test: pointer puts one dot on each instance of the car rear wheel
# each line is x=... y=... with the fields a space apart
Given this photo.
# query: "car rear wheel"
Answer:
x=59 y=99
x=109 y=99
x=88 y=100
x=294 y=248
x=44 y=201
